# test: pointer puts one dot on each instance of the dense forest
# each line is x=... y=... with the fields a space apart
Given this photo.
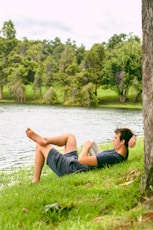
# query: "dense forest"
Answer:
x=50 y=66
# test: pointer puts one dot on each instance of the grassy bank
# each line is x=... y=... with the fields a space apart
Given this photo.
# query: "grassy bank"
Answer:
x=107 y=198
x=107 y=98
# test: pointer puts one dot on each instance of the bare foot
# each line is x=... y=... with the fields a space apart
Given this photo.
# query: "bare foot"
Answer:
x=35 y=137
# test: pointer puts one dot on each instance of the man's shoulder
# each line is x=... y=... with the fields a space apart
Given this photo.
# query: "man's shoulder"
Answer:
x=111 y=153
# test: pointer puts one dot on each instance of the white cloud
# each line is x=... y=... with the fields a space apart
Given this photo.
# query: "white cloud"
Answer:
x=84 y=21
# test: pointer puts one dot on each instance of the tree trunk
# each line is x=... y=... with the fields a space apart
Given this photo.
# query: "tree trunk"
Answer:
x=147 y=28
x=1 y=92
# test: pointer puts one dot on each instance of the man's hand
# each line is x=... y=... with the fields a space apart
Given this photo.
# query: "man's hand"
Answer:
x=87 y=145
x=132 y=142
x=84 y=158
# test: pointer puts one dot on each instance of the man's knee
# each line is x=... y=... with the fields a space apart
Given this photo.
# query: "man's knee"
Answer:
x=70 y=143
x=71 y=136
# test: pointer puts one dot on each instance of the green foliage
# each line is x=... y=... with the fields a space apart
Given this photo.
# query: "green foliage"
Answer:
x=18 y=90
x=50 y=68
x=71 y=96
x=8 y=30
x=88 y=97
x=67 y=58
x=116 y=64
x=116 y=40
x=105 y=97
x=50 y=96
x=107 y=198
x=123 y=64
x=93 y=64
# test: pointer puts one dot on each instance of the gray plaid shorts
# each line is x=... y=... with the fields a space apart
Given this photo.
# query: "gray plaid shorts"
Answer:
x=63 y=164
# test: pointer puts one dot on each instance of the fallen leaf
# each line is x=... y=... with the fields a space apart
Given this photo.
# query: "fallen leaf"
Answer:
x=148 y=215
x=97 y=219
x=25 y=210
x=127 y=183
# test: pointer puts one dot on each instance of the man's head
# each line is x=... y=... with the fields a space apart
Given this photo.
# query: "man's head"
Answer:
x=125 y=134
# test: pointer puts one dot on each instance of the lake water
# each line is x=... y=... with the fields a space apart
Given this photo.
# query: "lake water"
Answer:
x=86 y=123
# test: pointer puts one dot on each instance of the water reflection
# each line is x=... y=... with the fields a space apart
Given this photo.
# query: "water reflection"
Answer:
x=85 y=123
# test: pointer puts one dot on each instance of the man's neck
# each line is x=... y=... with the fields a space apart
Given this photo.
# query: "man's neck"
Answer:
x=122 y=150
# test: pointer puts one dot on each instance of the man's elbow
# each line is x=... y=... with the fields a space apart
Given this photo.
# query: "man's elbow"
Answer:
x=80 y=160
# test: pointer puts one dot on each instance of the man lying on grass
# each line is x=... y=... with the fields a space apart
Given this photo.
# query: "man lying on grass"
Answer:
x=69 y=162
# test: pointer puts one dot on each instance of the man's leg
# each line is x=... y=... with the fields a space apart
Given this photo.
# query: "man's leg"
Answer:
x=68 y=140
x=41 y=153
x=43 y=147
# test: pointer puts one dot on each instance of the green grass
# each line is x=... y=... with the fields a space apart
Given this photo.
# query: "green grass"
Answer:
x=107 y=198
x=108 y=98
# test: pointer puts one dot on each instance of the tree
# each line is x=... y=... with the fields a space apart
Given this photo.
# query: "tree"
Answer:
x=147 y=28
x=8 y=30
x=67 y=58
x=37 y=84
x=50 y=96
x=57 y=48
x=2 y=76
x=67 y=66
x=35 y=51
x=116 y=40
x=123 y=67
x=93 y=64
x=80 y=53
x=18 y=89
x=50 y=67
x=8 y=43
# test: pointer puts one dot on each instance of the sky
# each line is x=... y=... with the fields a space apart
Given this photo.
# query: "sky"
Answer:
x=84 y=21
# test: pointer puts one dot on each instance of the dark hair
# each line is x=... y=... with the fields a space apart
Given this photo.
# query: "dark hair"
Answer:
x=126 y=134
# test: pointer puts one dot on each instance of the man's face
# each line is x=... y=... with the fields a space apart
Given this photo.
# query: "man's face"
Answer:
x=116 y=141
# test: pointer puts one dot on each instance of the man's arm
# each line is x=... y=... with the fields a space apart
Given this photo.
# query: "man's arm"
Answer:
x=133 y=140
x=84 y=158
